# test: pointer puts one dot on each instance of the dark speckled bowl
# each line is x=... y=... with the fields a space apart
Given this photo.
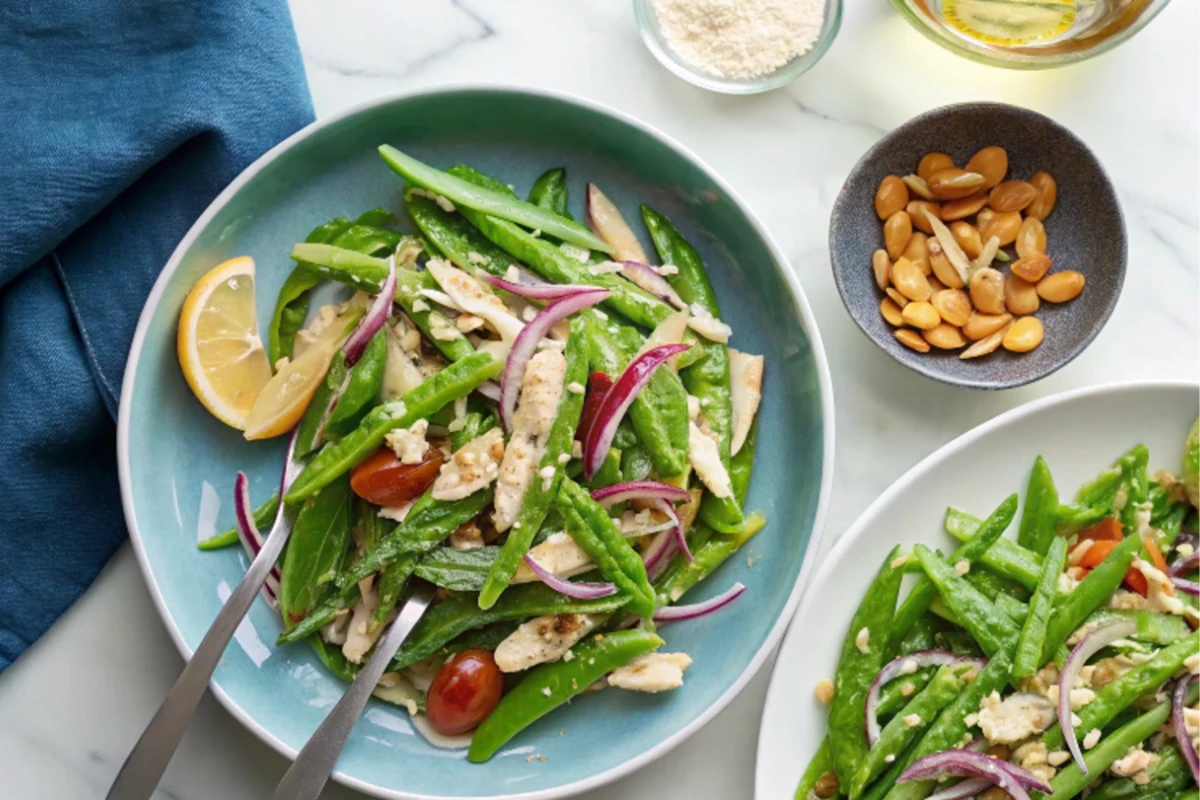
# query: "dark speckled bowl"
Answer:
x=1085 y=232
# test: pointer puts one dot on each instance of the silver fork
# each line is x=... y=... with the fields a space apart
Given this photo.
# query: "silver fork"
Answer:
x=308 y=775
x=144 y=767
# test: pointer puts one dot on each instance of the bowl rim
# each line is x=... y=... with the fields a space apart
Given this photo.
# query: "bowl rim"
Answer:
x=913 y=476
x=807 y=319
x=920 y=366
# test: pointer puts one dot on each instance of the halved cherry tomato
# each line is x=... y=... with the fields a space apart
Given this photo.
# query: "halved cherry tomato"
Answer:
x=1135 y=580
x=1097 y=553
x=1108 y=529
x=385 y=481
x=465 y=690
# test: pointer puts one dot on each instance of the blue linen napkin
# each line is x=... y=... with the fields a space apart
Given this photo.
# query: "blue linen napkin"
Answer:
x=120 y=120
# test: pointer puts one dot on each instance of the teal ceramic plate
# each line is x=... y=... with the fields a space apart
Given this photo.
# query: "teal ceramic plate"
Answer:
x=177 y=463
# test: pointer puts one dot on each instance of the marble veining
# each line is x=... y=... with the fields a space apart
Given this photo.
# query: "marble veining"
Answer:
x=71 y=708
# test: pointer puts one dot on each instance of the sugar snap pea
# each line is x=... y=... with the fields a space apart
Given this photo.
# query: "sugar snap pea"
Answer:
x=1038 y=521
x=363 y=383
x=861 y=658
x=460 y=613
x=540 y=493
x=820 y=765
x=1152 y=627
x=974 y=549
x=991 y=628
x=682 y=575
x=264 y=516
x=895 y=694
x=1028 y=657
x=1093 y=591
x=457 y=239
x=337 y=458
x=900 y=732
x=502 y=205
x=310 y=434
x=1005 y=557
x=1165 y=776
x=457 y=570
x=548 y=686
x=319 y=617
x=292 y=306
x=946 y=732
x=331 y=656
x=596 y=534
x=1070 y=780
x=551 y=263
x=708 y=378
x=1127 y=688
x=316 y=550
x=550 y=192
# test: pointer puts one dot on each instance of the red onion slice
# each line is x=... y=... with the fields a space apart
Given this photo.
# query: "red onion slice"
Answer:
x=490 y=390
x=607 y=222
x=962 y=790
x=638 y=490
x=657 y=555
x=252 y=540
x=580 y=590
x=539 y=291
x=1087 y=647
x=676 y=528
x=646 y=277
x=617 y=401
x=374 y=319
x=1179 y=724
x=964 y=763
x=527 y=341
x=1185 y=585
x=696 y=610
x=599 y=384
x=1189 y=564
x=898 y=667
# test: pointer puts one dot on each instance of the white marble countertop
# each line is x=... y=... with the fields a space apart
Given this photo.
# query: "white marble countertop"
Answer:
x=71 y=708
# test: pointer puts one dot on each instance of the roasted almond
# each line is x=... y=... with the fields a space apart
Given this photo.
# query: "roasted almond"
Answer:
x=1047 y=188
x=961 y=209
x=896 y=232
x=954 y=183
x=933 y=162
x=916 y=211
x=890 y=197
x=1010 y=196
x=991 y=163
x=1033 y=268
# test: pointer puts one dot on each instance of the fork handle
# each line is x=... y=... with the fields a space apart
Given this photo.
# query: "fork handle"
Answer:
x=308 y=775
x=144 y=768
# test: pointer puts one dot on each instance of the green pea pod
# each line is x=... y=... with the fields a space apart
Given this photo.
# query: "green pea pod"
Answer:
x=310 y=433
x=1165 y=776
x=457 y=239
x=428 y=523
x=858 y=666
x=458 y=614
x=368 y=273
x=319 y=617
x=503 y=205
x=659 y=412
x=1033 y=634
x=708 y=378
x=548 y=686
x=1070 y=780
x=597 y=535
x=1038 y=523
x=363 y=384
x=337 y=458
x=947 y=731
x=923 y=591
x=316 y=551
x=368 y=529
x=457 y=570
x=474 y=425
x=1005 y=557
x=264 y=517
x=994 y=585
x=992 y=628
x=819 y=766
x=540 y=493
x=682 y=575
x=1013 y=609
x=919 y=636
x=1092 y=592
x=550 y=192
x=291 y=308
x=331 y=656
x=1152 y=628
x=1136 y=481
x=895 y=694
x=1126 y=689
x=1190 y=472
x=545 y=258
x=1095 y=500
x=899 y=733
x=636 y=463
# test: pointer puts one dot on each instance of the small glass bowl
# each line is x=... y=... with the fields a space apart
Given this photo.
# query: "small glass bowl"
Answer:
x=647 y=22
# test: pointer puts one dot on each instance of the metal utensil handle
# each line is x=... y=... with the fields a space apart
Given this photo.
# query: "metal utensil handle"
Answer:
x=310 y=772
x=144 y=767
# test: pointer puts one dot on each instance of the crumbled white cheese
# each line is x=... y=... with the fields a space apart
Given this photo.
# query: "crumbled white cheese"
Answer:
x=1134 y=765
x=962 y=567
x=707 y=325
x=581 y=254
x=666 y=270
x=606 y=268
x=912 y=720
x=547 y=475
x=442 y=202
x=475 y=465
x=1014 y=718
x=1091 y=739
x=575 y=387
x=419 y=305
x=863 y=641
x=478 y=258
x=409 y=443
x=908 y=667
x=563 y=458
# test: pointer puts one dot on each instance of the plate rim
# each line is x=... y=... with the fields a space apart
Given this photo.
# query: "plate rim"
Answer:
x=913 y=474
x=799 y=299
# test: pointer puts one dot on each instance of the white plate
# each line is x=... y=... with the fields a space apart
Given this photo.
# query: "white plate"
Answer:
x=1079 y=433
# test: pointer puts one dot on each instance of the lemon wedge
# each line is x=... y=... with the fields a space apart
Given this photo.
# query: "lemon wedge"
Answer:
x=220 y=352
x=1010 y=23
